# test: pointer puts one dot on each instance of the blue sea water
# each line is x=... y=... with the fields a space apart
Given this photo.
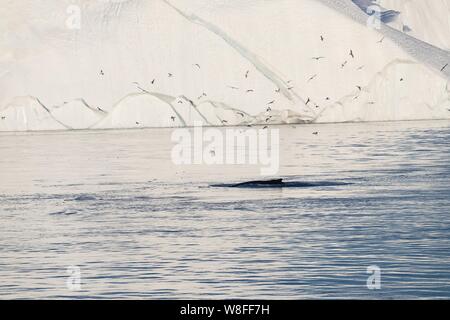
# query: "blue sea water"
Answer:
x=138 y=226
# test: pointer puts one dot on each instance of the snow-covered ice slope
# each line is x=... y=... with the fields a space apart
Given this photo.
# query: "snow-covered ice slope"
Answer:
x=163 y=63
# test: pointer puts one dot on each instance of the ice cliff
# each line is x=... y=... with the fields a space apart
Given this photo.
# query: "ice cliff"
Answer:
x=167 y=63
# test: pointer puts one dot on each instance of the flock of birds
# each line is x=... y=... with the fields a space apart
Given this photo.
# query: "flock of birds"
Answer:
x=278 y=90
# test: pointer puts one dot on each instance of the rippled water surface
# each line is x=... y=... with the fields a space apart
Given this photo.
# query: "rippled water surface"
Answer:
x=138 y=226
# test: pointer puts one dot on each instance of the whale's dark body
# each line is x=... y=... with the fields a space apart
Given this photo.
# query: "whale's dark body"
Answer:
x=278 y=183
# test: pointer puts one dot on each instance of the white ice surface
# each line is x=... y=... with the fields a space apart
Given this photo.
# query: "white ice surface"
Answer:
x=255 y=63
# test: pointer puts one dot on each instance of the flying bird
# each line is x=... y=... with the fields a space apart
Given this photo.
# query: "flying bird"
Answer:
x=316 y=133
x=443 y=68
x=197 y=65
x=322 y=38
x=3 y=118
x=234 y=88
x=173 y=118
x=381 y=40
x=102 y=73
x=359 y=88
x=351 y=54
x=246 y=74
x=317 y=58
x=344 y=64
x=153 y=81
x=312 y=78
x=308 y=101
x=170 y=75
x=250 y=90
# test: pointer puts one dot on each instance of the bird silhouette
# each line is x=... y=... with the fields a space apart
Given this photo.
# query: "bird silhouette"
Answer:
x=381 y=41
x=308 y=101
x=351 y=54
x=316 y=133
x=173 y=118
x=343 y=64
x=102 y=73
x=250 y=90
x=153 y=81
x=197 y=65
x=246 y=74
x=317 y=58
x=443 y=68
x=322 y=38
x=234 y=88
x=170 y=75
x=312 y=78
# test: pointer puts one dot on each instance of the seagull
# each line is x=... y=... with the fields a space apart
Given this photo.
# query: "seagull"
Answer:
x=268 y=118
x=312 y=78
x=137 y=123
x=170 y=75
x=100 y=109
x=153 y=81
x=278 y=90
x=246 y=74
x=272 y=102
x=315 y=133
x=290 y=88
x=197 y=65
x=308 y=101
x=203 y=95
x=401 y=79
x=250 y=90
x=360 y=68
x=268 y=109
x=343 y=65
x=322 y=38
x=443 y=68
x=351 y=54
x=265 y=127
x=224 y=121
x=317 y=58
x=102 y=73
x=173 y=118
x=359 y=88
x=234 y=88
x=240 y=113
x=180 y=101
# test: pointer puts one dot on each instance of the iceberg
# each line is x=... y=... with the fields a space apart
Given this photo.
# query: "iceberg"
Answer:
x=174 y=63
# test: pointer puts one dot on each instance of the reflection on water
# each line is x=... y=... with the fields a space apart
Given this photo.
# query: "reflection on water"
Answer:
x=113 y=204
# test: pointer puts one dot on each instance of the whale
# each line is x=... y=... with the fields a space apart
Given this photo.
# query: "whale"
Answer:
x=279 y=183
